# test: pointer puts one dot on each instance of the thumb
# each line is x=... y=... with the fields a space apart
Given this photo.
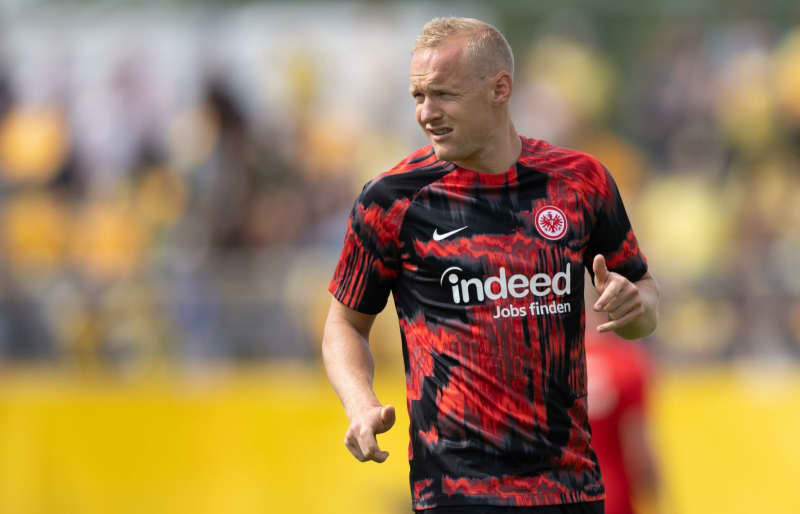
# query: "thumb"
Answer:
x=387 y=417
x=600 y=271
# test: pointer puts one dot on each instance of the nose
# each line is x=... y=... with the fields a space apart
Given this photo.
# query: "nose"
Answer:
x=428 y=110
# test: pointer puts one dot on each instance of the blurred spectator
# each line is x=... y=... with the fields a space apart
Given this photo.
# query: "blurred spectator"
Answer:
x=172 y=187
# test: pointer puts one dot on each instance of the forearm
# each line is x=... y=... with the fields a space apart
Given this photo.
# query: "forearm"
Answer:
x=349 y=365
x=644 y=324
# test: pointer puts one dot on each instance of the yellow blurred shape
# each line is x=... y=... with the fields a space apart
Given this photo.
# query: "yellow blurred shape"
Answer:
x=82 y=331
x=773 y=190
x=787 y=72
x=33 y=144
x=330 y=146
x=108 y=242
x=34 y=230
x=160 y=198
x=191 y=138
x=375 y=153
x=746 y=105
x=684 y=224
x=622 y=159
x=583 y=76
x=684 y=325
x=302 y=81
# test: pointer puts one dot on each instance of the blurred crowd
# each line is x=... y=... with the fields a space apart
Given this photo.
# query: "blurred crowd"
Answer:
x=174 y=186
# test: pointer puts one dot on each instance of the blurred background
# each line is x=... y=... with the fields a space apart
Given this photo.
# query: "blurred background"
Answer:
x=174 y=186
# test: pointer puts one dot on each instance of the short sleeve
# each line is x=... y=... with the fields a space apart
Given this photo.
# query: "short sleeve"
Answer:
x=612 y=235
x=369 y=262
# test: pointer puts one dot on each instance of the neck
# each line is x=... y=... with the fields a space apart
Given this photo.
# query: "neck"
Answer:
x=497 y=156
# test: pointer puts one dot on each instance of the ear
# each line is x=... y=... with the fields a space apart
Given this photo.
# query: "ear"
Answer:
x=501 y=87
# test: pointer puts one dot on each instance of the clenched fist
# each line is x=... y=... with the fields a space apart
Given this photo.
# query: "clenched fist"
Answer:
x=360 y=438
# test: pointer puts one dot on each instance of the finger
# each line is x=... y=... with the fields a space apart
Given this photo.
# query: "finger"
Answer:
x=380 y=456
x=369 y=447
x=609 y=294
x=387 y=419
x=352 y=445
x=624 y=301
x=622 y=310
x=621 y=322
x=355 y=451
x=600 y=272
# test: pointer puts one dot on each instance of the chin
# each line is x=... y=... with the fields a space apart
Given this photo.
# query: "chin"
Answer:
x=445 y=153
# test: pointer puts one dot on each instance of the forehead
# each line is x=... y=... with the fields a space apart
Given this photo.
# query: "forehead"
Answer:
x=441 y=64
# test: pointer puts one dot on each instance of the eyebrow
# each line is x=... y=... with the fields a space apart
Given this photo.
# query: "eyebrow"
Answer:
x=414 y=90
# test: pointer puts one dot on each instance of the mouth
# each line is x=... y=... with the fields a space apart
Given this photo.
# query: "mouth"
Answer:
x=439 y=134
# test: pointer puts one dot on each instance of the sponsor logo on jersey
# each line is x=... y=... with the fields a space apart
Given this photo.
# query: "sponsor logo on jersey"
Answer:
x=501 y=286
x=438 y=237
x=551 y=223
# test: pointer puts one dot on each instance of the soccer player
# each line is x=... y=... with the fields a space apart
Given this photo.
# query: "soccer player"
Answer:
x=482 y=237
x=619 y=372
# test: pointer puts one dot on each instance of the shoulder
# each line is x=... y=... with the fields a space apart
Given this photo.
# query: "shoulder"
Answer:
x=579 y=170
x=418 y=159
x=550 y=157
x=379 y=211
x=406 y=178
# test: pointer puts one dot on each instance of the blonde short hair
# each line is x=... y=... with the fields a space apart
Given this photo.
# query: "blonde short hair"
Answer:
x=486 y=46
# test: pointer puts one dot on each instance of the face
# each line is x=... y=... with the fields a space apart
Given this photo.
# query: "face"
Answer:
x=453 y=106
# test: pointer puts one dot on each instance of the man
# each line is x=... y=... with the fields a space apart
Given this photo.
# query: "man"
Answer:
x=482 y=237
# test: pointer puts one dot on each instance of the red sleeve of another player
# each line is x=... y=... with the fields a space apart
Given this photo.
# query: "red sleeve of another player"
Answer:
x=370 y=263
x=612 y=234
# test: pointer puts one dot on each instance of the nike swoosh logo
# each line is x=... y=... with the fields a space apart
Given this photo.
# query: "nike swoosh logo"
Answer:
x=438 y=237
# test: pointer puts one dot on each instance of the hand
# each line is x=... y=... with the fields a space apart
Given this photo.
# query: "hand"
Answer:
x=360 y=437
x=619 y=297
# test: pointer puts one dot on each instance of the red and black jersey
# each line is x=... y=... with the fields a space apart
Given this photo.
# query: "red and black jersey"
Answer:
x=487 y=276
